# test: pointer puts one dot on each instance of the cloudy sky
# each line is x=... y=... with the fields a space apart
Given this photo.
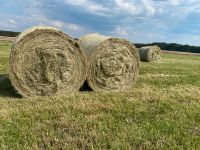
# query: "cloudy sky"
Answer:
x=140 y=21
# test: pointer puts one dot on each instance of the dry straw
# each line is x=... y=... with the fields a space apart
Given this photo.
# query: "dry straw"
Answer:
x=45 y=61
x=112 y=63
x=150 y=53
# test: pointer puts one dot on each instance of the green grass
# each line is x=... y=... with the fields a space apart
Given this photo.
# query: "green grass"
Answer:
x=4 y=54
x=161 y=112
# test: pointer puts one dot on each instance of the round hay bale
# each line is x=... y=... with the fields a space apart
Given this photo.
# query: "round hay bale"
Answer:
x=113 y=63
x=45 y=61
x=150 y=53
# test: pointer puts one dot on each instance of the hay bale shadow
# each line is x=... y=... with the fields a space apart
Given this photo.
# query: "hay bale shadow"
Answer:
x=6 y=88
x=85 y=87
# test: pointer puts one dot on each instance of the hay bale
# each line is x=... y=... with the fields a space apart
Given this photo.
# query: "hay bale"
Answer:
x=44 y=61
x=150 y=53
x=112 y=63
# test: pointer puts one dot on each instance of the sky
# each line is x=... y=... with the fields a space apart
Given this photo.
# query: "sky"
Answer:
x=140 y=21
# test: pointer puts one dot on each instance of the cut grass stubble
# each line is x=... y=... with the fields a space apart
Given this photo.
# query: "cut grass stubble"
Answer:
x=160 y=112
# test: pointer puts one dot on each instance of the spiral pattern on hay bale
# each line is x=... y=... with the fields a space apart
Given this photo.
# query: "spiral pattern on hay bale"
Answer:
x=45 y=61
x=112 y=63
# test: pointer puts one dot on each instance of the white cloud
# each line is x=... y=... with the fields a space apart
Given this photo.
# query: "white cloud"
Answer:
x=8 y=22
x=74 y=27
x=12 y=21
x=36 y=3
x=55 y=23
x=150 y=9
x=91 y=6
x=175 y=2
x=61 y=25
x=33 y=15
x=138 y=20
x=127 y=6
x=135 y=7
x=120 y=31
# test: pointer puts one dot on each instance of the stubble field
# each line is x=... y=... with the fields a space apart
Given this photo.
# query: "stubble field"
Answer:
x=162 y=111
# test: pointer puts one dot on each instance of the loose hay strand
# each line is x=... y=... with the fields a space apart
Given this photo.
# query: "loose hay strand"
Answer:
x=150 y=53
x=112 y=63
x=46 y=61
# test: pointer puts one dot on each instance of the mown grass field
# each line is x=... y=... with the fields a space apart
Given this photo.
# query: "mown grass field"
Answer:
x=161 y=112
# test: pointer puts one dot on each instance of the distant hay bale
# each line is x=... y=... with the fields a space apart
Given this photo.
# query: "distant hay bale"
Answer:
x=150 y=53
x=44 y=61
x=112 y=63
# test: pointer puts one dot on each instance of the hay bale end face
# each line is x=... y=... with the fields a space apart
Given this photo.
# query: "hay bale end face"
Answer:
x=150 y=53
x=44 y=61
x=112 y=63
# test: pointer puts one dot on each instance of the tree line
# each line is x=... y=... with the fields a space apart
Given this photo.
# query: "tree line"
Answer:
x=162 y=45
x=9 y=33
x=173 y=47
